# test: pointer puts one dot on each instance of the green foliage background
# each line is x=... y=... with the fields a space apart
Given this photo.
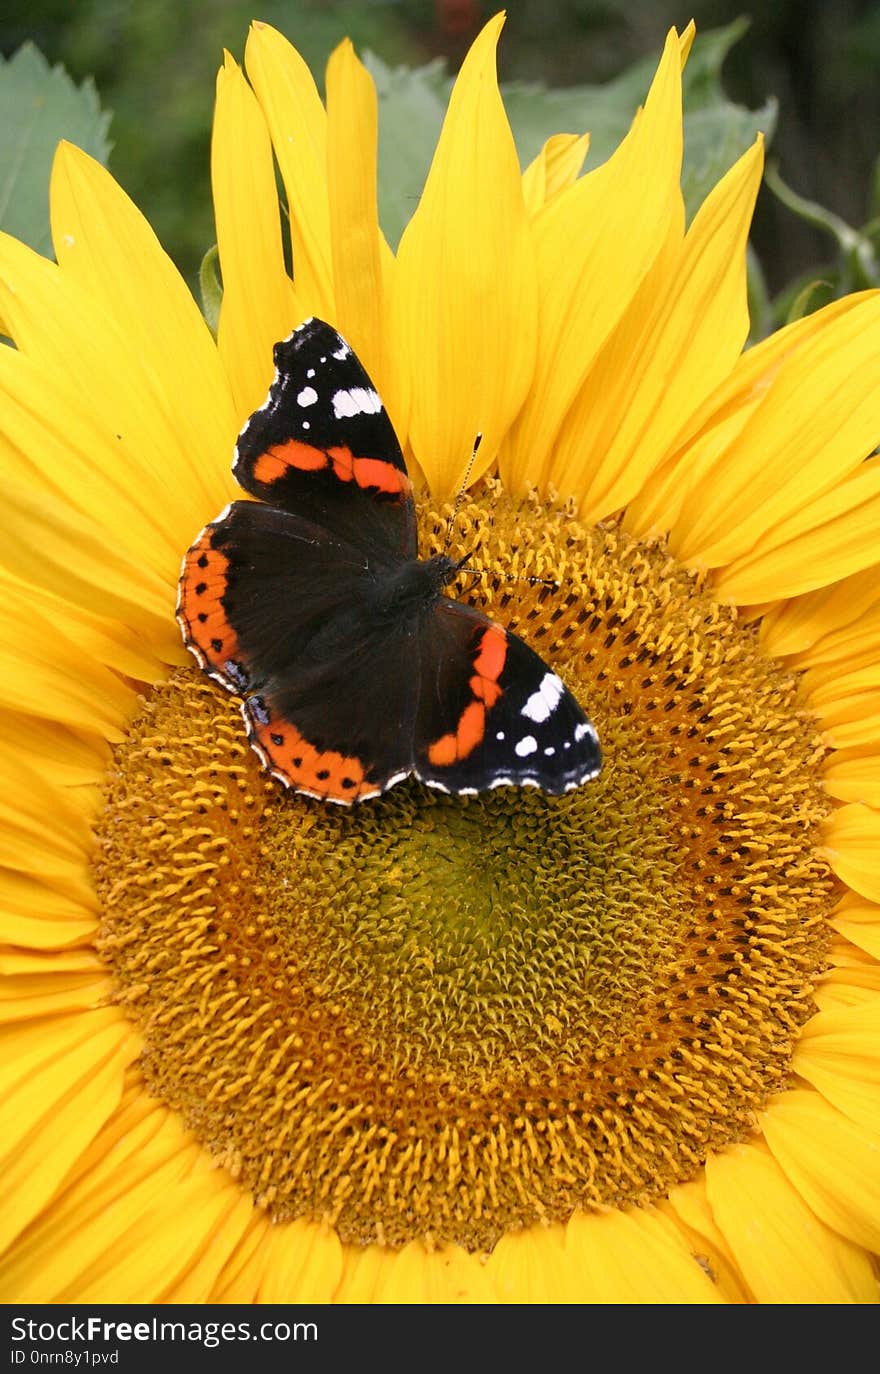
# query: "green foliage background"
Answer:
x=154 y=61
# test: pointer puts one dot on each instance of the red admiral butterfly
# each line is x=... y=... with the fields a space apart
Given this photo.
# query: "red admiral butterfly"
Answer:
x=313 y=605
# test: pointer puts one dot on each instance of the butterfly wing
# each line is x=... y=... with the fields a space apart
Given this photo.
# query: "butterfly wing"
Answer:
x=278 y=610
x=277 y=602
x=323 y=447
x=492 y=713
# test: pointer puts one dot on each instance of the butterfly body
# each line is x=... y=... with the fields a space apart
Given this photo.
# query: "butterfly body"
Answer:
x=312 y=603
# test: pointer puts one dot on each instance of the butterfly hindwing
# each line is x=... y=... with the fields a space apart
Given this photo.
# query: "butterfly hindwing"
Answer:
x=323 y=447
x=256 y=587
x=280 y=612
x=339 y=726
x=492 y=713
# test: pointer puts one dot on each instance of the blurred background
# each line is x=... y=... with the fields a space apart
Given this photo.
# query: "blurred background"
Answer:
x=154 y=63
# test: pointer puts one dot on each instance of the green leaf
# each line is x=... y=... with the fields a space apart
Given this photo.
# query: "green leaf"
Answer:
x=810 y=297
x=760 y=307
x=714 y=137
x=39 y=106
x=412 y=103
x=211 y=288
x=855 y=248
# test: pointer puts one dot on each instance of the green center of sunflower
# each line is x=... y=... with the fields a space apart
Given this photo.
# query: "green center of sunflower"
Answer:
x=449 y=1018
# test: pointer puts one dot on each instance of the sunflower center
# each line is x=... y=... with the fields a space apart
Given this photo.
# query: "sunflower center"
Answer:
x=449 y=1018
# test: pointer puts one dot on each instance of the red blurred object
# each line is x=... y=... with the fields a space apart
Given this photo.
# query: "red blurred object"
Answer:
x=457 y=17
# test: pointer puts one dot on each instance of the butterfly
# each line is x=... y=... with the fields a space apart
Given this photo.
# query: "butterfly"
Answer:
x=312 y=604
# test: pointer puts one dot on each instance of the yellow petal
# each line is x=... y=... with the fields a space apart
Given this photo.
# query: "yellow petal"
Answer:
x=853 y=775
x=688 y=1206
x=58 y=753
x=120 y=1204
x=138 y=1153
x=815 y=425
x=15 y=962
x=856 y=723
x=534 y=1266
x=594 y=244
x=362 y=260
x=785 y=1252
x=832 y=536
x=27 y=997
x=464 y=285
x=557 y=166
x=157 y=1252
x=634 y=1257
x=258 y=307
x=239 y=1278
x=54 y=1101
x=103 y=242
x=40 y=917
x=795 y=625
x=65 y=685
x=843 y=647
x=668 y=353
x=297 y=124
x=455 y=1276
x=853 y=978
x=196 y=1282
x=852 y=848
x=100 y=638
x=832 y=1161
x=56 y=442
x=50 y=545
x=413 y=1275
x=42 y=832
x=718 y=422
x=848 y=707
x=79 y=355
x=305 y=1264
x=839 y=1053
x=363 y=1274
x=859 y=922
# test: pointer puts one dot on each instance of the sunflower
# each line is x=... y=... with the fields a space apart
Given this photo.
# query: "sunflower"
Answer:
x=615 y=1046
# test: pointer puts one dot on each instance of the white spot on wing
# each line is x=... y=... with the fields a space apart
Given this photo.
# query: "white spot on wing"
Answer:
x=311 y=372
x=361 y=400
x=525 y=746
x=343 y=351
x=307 y=397
x=500 y=735
x=585 y=728
x=542 y=703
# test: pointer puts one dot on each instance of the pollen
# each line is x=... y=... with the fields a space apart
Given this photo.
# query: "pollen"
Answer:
x=450 y=1018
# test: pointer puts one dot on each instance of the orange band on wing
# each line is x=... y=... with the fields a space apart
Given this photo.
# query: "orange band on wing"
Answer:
x=200 y=608
x=372 y=472
x=307 y=769
x=367 y=473
x=489 y=663
x=278 y=460
x=492 y=653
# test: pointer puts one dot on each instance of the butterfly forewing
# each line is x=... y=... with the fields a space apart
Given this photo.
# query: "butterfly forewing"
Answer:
x=322 y=446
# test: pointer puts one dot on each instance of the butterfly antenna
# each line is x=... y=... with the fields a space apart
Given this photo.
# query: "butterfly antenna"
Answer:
x=463 y=565
x=461 y=491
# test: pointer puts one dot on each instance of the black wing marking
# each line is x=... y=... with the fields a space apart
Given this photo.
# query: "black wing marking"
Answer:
x=492 y=713
x=323 y=447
